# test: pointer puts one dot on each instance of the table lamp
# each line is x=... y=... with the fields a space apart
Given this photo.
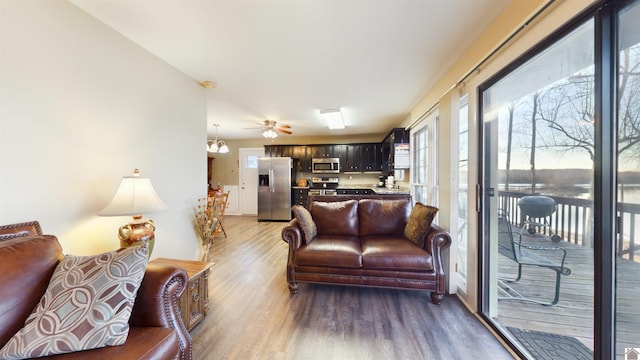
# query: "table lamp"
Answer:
x=135 y=196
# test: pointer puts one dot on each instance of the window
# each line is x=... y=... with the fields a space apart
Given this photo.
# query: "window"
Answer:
x=463 y=191
x=424 y=177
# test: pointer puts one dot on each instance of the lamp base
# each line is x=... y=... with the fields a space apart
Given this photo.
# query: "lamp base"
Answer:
x=136 y=233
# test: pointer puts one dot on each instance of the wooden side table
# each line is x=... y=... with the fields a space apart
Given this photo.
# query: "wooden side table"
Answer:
x=194 y=301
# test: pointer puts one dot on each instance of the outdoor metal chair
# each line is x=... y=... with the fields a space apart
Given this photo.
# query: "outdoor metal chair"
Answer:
x=526 y=254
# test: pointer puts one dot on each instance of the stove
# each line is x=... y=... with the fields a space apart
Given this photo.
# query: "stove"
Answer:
x=323 y=186
x=324 y=183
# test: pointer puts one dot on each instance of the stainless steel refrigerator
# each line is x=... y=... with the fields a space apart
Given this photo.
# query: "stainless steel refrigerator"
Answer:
x=274 y=188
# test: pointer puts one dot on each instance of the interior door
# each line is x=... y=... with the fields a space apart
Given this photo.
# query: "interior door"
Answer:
x=248 y=158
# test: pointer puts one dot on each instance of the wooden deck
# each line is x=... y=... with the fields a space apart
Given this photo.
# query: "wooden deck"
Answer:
x=573 y=315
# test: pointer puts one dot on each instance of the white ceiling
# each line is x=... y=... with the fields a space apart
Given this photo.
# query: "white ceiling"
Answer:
x=286 y=60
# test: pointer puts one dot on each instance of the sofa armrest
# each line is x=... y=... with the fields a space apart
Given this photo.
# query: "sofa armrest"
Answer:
x=437 y=240
x=292 y=234
x=157 y=303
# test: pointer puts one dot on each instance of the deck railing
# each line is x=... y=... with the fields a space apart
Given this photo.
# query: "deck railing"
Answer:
x=573 y=221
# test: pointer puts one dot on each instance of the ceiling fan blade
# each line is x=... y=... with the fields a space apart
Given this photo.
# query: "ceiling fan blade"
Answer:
x=285 y=126
x=284 y=131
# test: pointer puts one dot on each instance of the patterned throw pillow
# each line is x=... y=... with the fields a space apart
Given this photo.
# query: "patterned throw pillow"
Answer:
x=306 y=222
x=87 y=305
x=419 y=222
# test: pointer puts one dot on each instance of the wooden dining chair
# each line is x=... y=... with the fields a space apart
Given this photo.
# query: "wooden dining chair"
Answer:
x=222 y=199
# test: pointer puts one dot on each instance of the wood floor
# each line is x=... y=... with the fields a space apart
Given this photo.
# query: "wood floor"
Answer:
x=253 y=316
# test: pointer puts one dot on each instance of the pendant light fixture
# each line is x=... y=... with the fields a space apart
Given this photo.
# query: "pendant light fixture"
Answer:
x=215 y=145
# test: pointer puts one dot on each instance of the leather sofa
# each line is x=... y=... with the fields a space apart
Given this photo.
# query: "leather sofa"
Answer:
x=28 y=261
x=362 y=243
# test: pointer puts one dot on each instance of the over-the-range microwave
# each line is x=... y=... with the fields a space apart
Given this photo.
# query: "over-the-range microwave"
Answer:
x=325 y=165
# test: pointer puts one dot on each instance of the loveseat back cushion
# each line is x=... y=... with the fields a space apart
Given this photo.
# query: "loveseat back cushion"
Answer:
x=336 y=218
x=383 y=217
x=27 y=264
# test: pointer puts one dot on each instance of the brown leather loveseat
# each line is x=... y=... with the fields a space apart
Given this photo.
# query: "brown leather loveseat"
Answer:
x=361 y=241
x=156 y=330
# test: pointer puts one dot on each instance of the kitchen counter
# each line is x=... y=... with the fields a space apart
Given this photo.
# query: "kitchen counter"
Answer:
x=386 y=191
x=376 y=190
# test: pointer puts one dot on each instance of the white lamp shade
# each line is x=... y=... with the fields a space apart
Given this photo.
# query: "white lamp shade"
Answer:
x=135 y=196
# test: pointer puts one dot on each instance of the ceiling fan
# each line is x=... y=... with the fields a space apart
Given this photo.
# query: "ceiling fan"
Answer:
x=270 y=129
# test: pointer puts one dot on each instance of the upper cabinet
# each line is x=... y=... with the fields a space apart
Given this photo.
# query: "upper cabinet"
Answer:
x=363 y=157
x=395 y=150
x=303 y=160
x=392 y=153
x=372 y=157
x=325 y=151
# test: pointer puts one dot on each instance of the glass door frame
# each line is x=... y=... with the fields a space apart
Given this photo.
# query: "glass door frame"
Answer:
x=604 y=14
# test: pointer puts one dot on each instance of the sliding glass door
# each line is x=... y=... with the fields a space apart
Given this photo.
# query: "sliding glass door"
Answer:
x=628 y=185
x=537 y=213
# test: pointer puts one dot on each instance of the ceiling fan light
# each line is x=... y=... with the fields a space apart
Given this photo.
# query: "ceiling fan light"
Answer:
x=334 y=119
x=270 y=134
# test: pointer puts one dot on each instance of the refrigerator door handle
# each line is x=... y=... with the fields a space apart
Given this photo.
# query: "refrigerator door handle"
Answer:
x=271 y=180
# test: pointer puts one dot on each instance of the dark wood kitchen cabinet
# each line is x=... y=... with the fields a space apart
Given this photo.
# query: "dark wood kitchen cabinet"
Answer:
x=396 y=136
x=299 y=196
x=303 y=161
x=363 y=157
x=371 y=157
x=325 y=151
x=353 y=158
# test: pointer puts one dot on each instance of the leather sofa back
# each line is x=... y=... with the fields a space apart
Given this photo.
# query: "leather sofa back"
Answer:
x=336 y=218
x=383 y=217
x=359 y=215
x=27 y=265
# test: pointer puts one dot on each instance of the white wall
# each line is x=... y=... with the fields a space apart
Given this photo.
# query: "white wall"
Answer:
x=80 y=107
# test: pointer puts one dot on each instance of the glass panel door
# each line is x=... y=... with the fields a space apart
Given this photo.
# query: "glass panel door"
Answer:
x=538 y=168
x=628 y=186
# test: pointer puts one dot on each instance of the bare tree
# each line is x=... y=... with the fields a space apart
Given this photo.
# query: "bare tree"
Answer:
x=511 y=108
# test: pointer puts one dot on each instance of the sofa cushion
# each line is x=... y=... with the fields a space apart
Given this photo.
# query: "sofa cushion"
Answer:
x=394 y=253
x=419 y=223
x=336 y=218
x=383 y=217
x=30 y=262
x=143 y=343
x=308 y=226
x=331 y=251
x=87 y=305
